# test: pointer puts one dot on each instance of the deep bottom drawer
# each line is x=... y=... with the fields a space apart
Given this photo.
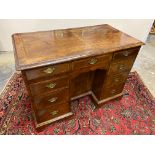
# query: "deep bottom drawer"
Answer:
x=52 y=112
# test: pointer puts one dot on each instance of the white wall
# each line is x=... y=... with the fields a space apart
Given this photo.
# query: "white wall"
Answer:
x=136 y=28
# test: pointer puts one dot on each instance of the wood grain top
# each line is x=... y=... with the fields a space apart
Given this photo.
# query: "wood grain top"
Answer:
x=50 y=47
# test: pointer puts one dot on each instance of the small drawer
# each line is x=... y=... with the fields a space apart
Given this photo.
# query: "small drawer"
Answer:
x=52 y=112
x=48 y=86
x=92 y=61
x=47 y=71
x=121 y=66
x=114 y=80
x=112 y=91
x=126 y=54
x=53 y=98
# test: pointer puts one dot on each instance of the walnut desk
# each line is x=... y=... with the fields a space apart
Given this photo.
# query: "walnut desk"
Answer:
x=63 y=65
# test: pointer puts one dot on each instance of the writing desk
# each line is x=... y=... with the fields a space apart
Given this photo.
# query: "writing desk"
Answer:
x=59 y=66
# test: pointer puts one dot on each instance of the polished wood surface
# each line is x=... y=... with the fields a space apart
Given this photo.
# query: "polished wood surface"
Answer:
x=63 y=65
x=51 y=47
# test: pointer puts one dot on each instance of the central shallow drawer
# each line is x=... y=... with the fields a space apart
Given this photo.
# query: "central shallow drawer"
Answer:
x=92 y=61
x=51 y=99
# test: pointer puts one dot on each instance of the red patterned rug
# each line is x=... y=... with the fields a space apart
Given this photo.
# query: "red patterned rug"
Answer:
x=133 y=114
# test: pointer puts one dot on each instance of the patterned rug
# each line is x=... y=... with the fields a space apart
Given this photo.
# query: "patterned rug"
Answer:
x=133 y=114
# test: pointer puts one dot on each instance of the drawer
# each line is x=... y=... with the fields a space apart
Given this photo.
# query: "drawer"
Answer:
x=126 y=54
x=48 y=86
x=54 y=98
x=52 y=112
x=121 y=66
x=92 y=61
x=47 y=71
x=117 y=79
x=112 y=91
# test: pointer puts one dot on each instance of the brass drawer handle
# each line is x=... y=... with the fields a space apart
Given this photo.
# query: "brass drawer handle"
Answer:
x=49 y=70
x=113 y=91
x=54 y=112
x=51 y=85
x=93 y=61
x=121 y=67
x=116 y=80
x=52 y=100
x=126 y=53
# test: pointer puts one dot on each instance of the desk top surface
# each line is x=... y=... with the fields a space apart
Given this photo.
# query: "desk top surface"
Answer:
x=50 y=47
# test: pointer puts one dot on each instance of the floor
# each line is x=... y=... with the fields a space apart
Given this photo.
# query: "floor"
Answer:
x=144 y=65
x=7 y=67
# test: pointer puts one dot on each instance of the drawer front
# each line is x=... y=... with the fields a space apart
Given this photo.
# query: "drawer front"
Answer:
x=48 y=86
x=91 y=62
x=112 y=91
x=52 y=112
x=121 y=66
x=54 y=98
x=47 y=71
x=114 y=80
x=126 y=54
